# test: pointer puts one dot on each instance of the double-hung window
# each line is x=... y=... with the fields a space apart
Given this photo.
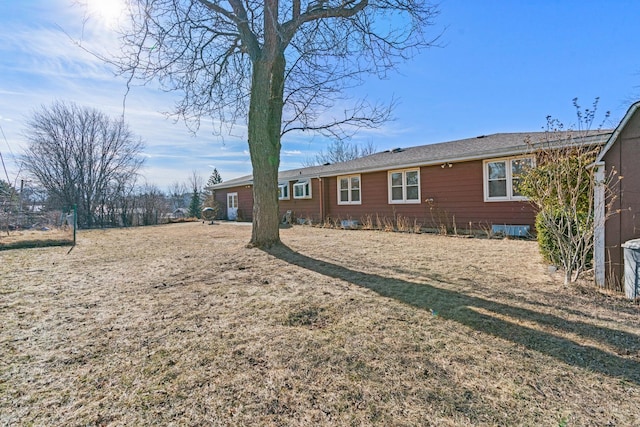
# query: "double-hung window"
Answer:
x=502 y=178
x=283 y=191
x=349 y=190
x=404 y=186
x=302 y=189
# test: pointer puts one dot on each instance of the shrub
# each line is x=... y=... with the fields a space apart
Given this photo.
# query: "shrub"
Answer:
x=561 y=186
x=555 y=228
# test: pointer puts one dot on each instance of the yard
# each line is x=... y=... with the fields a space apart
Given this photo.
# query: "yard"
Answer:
x=182 y=324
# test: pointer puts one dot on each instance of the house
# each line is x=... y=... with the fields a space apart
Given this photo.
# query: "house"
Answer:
x=468 y=184
x=617 y=219
x=179 y=213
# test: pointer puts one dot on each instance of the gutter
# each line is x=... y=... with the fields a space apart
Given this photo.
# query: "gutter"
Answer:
x=513 y=151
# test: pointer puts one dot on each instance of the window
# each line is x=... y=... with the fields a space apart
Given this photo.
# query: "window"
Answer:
x=302 y=189
x=283 y=191
x=503 y=176
x=349 y=190
x=404 y=186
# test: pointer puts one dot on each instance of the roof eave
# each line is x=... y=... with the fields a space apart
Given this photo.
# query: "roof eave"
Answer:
x=616 y=133
x=489 y=154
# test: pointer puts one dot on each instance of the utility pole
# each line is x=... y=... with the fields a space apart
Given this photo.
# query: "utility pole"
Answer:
x=20 y=203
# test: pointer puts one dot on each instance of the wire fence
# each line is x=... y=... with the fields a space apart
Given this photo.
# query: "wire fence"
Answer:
x=26 y=223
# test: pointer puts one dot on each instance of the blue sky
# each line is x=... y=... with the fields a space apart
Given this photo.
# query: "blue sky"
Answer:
x=501 y=67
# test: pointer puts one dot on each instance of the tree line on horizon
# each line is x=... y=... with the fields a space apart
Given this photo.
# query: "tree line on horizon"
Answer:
x=78 y=157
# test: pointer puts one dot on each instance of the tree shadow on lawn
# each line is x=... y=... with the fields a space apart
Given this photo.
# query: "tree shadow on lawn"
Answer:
x=477 y=313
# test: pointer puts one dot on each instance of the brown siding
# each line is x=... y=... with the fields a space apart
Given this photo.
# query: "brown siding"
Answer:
x=245 y=201
x=304 y=208
x=221 y=198
x=453 y=193
x=624 y=157
x=457 y=191
x=373 y=192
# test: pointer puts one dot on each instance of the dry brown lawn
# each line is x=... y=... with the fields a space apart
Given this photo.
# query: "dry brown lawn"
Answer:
x=184 y=325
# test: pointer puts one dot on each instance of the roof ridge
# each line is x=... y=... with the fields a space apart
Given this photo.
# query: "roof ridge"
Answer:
x=494 y=145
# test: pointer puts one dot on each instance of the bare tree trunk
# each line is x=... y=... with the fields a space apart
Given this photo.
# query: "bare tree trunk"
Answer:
x=206 y=48
x=265 y=118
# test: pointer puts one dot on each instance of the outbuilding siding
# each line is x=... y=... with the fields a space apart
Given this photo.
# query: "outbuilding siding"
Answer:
x=623 y=223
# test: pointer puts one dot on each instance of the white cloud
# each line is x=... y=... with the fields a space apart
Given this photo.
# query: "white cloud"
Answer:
x=291 y=152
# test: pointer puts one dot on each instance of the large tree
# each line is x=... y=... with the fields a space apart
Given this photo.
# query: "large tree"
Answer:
x=79 y=154
x=282 y=66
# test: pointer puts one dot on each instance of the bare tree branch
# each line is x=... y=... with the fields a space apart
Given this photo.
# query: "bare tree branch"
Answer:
x=276 y=66
x=79 y=155
x=340 y=151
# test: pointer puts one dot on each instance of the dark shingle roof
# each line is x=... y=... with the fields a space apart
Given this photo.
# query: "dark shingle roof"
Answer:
x=481 y=147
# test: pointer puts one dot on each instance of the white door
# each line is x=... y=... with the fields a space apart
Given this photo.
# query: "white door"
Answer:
x=232 y=206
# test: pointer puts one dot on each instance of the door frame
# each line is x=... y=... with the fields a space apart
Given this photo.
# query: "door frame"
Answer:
x=232 y=208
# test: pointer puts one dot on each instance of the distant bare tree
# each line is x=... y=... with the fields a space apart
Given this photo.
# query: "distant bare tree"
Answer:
x=152 y=203
x=177 y=191
x=281 y=66
x=8 y=203
x=340 y=151
x=195 y=181
x=121 y=202
x=78 y=153
x=8 y=194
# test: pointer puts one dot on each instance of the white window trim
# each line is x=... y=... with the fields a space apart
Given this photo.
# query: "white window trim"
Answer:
x=302 y=183
x=404 y=200
x=348 y=178
x=284 y=185
x=485 y=178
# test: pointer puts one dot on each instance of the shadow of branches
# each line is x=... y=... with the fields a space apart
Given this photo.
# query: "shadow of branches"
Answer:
x=489 y=317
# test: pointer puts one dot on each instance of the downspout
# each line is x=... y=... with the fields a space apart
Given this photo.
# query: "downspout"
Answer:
x=599 y=223
x=321 y=186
